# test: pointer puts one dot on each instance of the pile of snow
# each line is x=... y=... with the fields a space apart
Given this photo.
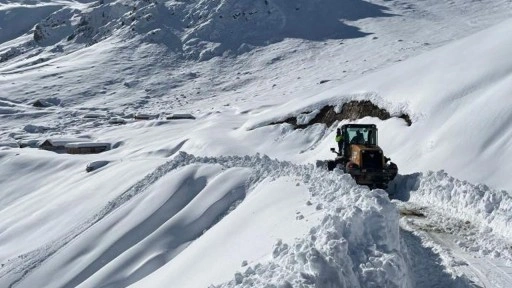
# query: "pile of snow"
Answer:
x=488 y=211
x=356 y=242
x=357 y=245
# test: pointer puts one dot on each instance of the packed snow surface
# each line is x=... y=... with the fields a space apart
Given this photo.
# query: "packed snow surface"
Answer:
x=202 y=189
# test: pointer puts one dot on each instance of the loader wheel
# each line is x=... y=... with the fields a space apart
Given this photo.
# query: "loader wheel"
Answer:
x=382 y=186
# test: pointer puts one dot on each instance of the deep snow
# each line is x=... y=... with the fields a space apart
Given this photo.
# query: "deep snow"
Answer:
x=194 y=203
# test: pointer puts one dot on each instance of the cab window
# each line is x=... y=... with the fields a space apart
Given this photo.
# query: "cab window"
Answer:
x=366 y=136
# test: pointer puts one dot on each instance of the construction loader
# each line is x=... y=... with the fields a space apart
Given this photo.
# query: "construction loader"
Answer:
x=362 y=158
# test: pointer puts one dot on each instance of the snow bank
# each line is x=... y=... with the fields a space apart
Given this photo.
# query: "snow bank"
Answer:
x=356 y=244
x=488 y=210
x=306 y=109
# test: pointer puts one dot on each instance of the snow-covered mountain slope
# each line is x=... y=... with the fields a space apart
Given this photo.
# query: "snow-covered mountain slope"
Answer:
x=125 y=73
x=229 y=199
x=472 y=76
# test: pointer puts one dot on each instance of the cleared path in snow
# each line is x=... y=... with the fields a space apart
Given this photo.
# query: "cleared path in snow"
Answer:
x=483 y=271
x=486 y=272
x=466 y=225
x=425 y=270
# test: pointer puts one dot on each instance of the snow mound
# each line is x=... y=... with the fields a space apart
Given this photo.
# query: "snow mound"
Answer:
x=477 y=205
x=357 y=243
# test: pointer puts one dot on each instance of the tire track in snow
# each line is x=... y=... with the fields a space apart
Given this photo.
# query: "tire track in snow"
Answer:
x=425 y=269
x=481 y=215
x=474 y=266
x=480 y=269
x=467 y=225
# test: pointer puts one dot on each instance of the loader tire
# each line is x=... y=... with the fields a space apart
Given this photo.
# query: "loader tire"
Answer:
x=331 y=165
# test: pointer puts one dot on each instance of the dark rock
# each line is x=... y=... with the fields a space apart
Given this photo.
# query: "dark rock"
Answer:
x=350 y=111
x=38 y=33
x=40 y=104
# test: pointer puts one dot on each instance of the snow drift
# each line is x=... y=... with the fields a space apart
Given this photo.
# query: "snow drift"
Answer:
x=359 y=228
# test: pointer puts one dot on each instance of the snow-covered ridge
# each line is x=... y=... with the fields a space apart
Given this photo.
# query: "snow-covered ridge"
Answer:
x=258 y=23
x=200 y=29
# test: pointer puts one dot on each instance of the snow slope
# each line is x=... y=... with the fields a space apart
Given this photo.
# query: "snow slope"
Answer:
x=228 y=200
x=475 y=83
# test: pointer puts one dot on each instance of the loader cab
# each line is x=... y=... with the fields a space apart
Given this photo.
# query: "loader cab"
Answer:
x=359 y=134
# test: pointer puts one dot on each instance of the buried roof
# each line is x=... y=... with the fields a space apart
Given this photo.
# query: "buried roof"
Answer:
x=143 y=116
x=63 y=141
x=180 y=116
x=87 y=144
x=11 y=144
